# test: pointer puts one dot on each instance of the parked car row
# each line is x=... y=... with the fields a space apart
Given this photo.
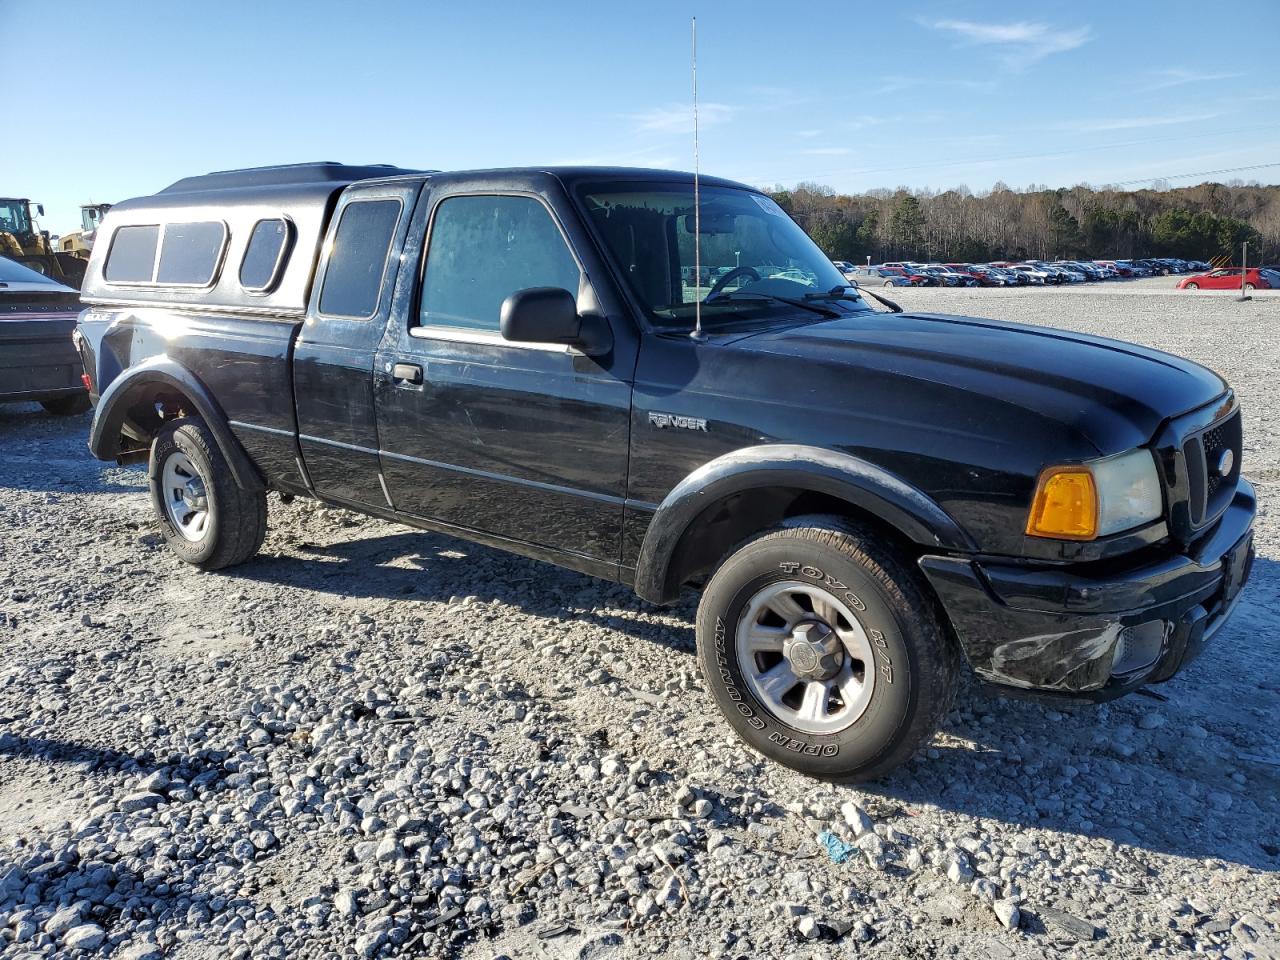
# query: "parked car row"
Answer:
x=1007 y=273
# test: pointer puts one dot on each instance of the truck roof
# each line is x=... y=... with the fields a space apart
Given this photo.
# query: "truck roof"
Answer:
x=323 y=172
x=333 y=174
x=300 y=197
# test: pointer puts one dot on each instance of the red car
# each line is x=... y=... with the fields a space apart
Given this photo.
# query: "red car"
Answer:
x=984 y=279
x=917 y=279
x=1227 y=278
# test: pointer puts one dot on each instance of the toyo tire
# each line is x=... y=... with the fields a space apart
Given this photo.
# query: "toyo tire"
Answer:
x=897 y=665
x=205 y=518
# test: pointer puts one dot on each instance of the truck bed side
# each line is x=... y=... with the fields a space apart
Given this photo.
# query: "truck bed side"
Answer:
x=243 y=363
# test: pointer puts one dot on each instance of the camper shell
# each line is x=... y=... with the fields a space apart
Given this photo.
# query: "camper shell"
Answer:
x=300 y=198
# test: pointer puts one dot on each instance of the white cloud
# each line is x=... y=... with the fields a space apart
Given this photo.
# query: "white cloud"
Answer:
x=1177 y=77
x=1023 y=43
x=1136 y=123
x=678 y=117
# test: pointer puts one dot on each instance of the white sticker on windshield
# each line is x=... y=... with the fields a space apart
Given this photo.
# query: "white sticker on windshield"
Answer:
x=767 y=205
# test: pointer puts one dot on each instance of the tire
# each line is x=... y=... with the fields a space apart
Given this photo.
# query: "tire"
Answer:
x=1191 y=286
x=890 y=633
x=887 y=283
x=1249 y=288
x=67 y=406
x=217 y=524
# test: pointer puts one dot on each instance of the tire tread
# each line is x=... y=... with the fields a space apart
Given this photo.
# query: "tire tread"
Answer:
x=935 y=651
x=242 y=514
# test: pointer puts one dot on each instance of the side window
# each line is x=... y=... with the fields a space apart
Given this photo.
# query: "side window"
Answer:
x=132 y=258
x=483 y=249
x=358 y=260
x=190 y=252
x=265 y=255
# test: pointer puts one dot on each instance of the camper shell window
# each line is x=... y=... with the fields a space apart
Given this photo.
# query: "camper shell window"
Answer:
x=265 y=255
x=189 y=254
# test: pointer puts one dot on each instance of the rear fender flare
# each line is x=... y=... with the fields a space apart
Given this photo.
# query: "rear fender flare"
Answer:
x=125 y=391
x=861 y=484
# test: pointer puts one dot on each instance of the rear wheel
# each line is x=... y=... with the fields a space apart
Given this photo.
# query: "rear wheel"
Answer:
x=67 y=406
x=206 y=519
x=824 y=651
x=1249 y=288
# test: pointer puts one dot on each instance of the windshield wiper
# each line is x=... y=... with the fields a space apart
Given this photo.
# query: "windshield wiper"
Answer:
x=842 y=293
x=766 y=297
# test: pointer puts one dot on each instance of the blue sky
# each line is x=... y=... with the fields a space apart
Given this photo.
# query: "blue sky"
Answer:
x=853 y=95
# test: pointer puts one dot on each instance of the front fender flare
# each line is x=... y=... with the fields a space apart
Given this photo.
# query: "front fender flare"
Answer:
x=125 y=390
x=814 y=469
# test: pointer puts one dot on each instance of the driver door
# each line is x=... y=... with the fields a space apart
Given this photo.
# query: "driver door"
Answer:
x=527 y=442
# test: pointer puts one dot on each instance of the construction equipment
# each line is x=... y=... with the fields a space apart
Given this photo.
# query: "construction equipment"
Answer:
x=80 y=242
x=23 y=241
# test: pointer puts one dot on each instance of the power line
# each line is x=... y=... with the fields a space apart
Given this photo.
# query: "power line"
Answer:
x=1182 y=176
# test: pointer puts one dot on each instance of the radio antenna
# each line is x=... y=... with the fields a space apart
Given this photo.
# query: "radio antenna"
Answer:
x=697 y=199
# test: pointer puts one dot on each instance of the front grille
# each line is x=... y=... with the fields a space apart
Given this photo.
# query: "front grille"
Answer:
x=1211 y=488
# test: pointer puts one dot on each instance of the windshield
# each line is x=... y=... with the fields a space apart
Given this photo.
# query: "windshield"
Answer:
x=15 y=217
x=753 y=256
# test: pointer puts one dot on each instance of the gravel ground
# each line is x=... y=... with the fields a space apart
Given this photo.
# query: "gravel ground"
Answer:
x=373 y=741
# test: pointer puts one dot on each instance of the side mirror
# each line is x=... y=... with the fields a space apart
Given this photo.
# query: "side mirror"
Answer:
x=550 y=315
x=39 y=209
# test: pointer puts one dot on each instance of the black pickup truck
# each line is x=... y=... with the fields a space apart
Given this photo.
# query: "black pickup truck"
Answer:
x=532 y=359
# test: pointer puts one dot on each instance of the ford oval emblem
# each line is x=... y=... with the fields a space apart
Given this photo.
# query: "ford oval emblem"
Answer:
x=1226 y=462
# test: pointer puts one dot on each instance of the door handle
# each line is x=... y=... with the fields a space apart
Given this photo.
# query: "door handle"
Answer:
x=407 y=372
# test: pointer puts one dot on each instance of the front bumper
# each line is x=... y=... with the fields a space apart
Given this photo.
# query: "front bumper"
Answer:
x=1053 y=630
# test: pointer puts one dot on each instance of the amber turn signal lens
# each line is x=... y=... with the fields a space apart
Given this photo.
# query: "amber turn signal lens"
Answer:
x=1065 y=506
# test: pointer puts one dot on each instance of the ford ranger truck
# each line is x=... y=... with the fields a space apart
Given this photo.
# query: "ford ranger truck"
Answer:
x=867 y=500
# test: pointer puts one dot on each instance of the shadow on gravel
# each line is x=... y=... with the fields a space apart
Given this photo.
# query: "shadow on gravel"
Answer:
x=46 y=478
x=114 y=891
x=91 y=759
x=431 y=566
x=28 y=466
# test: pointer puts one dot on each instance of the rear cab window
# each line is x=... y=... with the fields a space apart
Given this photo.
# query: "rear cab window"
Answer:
x=483 y=248
x=357 y=263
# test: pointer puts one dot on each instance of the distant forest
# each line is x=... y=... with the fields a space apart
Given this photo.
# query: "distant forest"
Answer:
x=1204 y=222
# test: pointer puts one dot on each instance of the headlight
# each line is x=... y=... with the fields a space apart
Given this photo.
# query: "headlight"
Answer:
x=1090 y=500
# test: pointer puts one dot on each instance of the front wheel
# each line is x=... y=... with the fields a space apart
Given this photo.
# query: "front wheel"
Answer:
x=824 y=650
x=1191 y=286
x=205 y=518
x=1249 y=288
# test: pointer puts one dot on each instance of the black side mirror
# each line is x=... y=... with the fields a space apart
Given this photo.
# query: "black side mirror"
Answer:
x=550 y=315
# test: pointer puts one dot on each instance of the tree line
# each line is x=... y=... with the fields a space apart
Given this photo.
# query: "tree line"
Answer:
x=1205 y=222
